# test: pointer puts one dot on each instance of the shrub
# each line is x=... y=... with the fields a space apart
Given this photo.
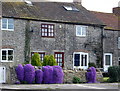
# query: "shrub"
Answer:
x=91 y=75
x=29 y=73
x=57 y=75
x=36 y=60
x=47 y=74
x=49 y=60
x=38 y=76
x=20 y=72
x=45 y=60
x=92 y=64
x=52 y=61
x=76 y=79
x=114 y=72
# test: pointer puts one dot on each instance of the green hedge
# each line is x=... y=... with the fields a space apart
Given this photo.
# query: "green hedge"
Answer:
x=114 y=73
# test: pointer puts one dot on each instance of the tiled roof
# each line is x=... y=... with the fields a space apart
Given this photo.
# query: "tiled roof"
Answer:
x=109 y=19
x=49 y=11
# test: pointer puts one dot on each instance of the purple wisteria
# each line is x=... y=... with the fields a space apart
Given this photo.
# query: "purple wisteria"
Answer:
x=29 y=73
x=38 y=76
x=20 y=72
x=91 y=75
x=57 y=74
x=47 y=74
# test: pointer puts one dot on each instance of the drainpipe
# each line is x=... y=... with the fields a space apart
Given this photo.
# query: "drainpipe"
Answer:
x=102 y=45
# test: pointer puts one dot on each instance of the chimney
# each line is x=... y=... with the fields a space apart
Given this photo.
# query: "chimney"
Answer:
x=77 y=1
x=116 y=10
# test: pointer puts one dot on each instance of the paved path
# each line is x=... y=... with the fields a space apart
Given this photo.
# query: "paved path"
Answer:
x=99 y=86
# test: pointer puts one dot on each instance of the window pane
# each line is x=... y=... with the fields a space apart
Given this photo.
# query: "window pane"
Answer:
x=10 y=26
x=3 y=52
x=77 y=60
x=79 y=30
x=10 y=58
x=4 y=26
x=4 y=20
x=10 y=21
x=3 y=57
x=107 y=59
x=83 y=31
x=10 y=52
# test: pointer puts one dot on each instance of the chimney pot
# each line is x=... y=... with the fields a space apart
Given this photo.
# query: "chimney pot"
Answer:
x=77 y=1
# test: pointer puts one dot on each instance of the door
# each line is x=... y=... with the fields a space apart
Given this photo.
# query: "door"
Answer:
x=107 y=61
x=2 y=74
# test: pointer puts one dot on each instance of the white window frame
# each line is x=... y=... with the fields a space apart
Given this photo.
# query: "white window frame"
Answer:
x=7 y=25
x=82 y=67
x=82 y=30
x=7 y=55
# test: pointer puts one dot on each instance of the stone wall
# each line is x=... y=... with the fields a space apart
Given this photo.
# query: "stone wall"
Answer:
x=111 y=44
x=68 y=75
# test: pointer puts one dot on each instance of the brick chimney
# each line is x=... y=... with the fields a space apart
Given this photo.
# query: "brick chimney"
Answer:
x=116 y=11
x=77 y=1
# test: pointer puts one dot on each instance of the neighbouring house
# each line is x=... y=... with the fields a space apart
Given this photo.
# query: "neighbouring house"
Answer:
x=66 y=30
x=111 y=37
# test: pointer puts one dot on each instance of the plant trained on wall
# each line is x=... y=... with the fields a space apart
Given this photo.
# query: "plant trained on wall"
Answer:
x=49 y=60
x=45 y=60
x=52 y=60
x=38 y=76
x=36 y=60
x=57 y=75
x=20 y=72
x=29 y=73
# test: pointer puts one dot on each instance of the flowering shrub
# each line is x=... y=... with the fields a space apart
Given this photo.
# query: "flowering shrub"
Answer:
x=20 y=72
x=57 y=74
x=91 y=75
x=47 y=74
x=29 y=73
x=38 y=76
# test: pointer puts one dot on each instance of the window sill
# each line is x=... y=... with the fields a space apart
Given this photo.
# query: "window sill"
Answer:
x=7 y=29
x=80 y=36
x=6 y=61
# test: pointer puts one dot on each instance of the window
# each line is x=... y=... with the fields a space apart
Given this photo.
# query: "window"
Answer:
x=7 y=24
x=70 y=8
x=80 y=60
x=59 y=57
x=81 y=30
x=118 y=42
x=42 y=54
x=7 y=55
x=47 y=30
x=107 y=61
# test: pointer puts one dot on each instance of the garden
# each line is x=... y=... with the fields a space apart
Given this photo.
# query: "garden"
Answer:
x=47 y=72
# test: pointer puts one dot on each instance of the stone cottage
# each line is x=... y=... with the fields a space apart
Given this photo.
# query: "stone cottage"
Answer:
x=111 y=37
x=66 y=30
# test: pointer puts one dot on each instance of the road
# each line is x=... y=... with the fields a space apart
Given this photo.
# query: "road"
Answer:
x=62 y=87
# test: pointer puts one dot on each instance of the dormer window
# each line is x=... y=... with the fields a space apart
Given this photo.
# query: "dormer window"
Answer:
x=7 y=24
x=70 y=8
